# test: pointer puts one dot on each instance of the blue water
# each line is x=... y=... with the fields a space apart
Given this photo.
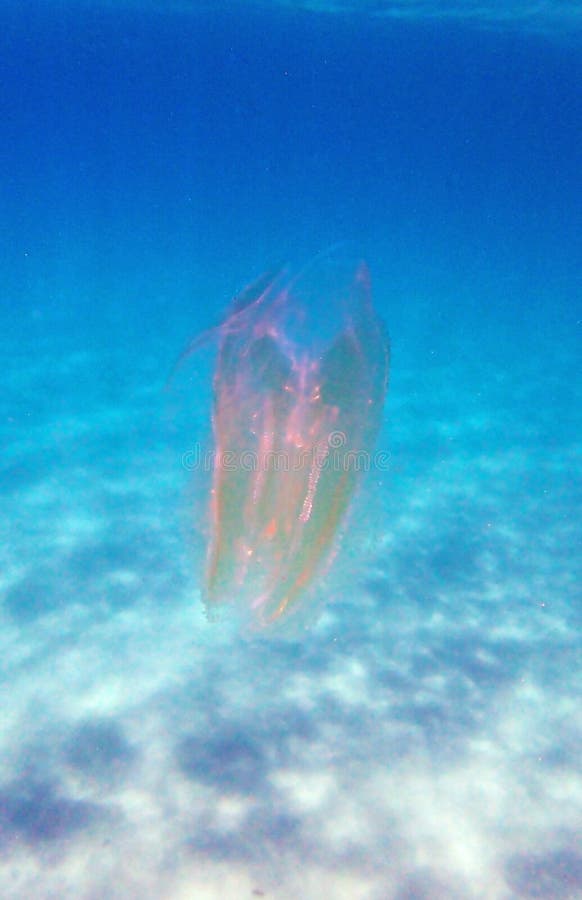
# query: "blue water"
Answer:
x=422 y=739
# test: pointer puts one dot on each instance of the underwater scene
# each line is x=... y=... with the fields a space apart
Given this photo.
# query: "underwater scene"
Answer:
x=291 y=432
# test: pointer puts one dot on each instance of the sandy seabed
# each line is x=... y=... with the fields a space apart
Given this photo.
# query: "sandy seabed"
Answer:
x=420 y=741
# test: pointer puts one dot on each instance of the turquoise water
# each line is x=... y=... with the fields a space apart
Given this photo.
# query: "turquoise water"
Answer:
x=422 y=738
